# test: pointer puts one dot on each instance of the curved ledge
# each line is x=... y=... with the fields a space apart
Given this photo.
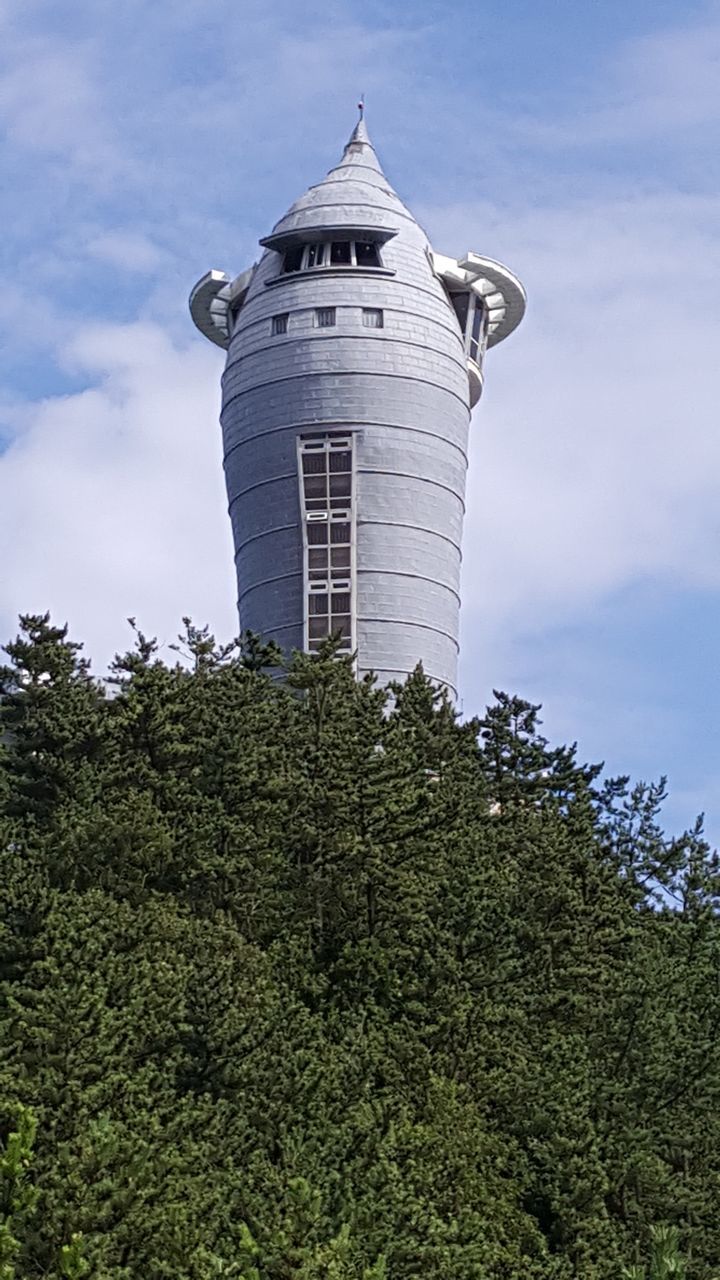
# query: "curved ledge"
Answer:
x=405 y=622
x=500 y=290
x=404 y=673
x=475 y=378
x=335 y=270
x=345 y=424
x=345 y=373
x=212 y=299
x=281 y=240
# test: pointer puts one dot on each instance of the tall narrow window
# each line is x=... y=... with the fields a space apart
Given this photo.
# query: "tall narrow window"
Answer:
x=471 y=313
x=461 y=302
x=372 y=318
x=325 y=317
x=315 y=255
x=279 y=324
x=476 y=337
x=326 y=495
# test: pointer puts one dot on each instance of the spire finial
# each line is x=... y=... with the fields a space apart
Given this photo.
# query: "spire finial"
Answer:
x=359 y=143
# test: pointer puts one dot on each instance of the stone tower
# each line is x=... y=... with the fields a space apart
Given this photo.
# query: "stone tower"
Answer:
x=354 y=356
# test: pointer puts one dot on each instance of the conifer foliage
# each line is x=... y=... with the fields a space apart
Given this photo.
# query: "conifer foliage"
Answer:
x=303 y=980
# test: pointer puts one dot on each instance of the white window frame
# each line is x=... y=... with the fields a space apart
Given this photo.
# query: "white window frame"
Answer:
x=325 y=264
x=327 y=443
x=473 y=304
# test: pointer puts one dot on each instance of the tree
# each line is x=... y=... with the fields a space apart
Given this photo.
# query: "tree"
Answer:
x=303 y=978
x=666 y=1262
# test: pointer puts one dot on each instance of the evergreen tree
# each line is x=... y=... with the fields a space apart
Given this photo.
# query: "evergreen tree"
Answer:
x=304 y=978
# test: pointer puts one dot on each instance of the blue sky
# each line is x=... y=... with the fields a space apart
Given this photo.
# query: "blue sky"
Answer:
x=578 y=142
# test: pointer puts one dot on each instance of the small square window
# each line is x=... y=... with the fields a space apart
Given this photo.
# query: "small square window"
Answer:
x=318 y=603
x=340 y=557
x=315 y=486
x=340 y=252
x=340 y=461
x=340 y=602
x=293 y=259
x=318 y=557
x=366 y=254
x=325 y=317
x=313 y=464
x=279 y=324
x=372 y=318
x=340 y=485
x=339 y=532
x=317 y=628
x=317 y=535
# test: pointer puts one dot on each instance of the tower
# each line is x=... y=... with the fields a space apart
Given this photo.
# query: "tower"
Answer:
x=354 y=356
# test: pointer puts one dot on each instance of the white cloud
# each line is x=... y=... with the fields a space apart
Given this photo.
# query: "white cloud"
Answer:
x=111 y=500
x=127 y=250
x=595 y=454
x=671 y=76
x=661 y=85
x=51 y=103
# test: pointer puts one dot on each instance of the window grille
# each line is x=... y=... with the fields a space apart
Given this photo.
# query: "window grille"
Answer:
x=325 y=317
x=372 y=318
x=279 y=324
x=325 y=467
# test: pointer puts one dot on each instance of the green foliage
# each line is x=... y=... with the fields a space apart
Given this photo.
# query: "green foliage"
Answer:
x=303 y=982
x=17 y=1194
x=666 y=1262
x=19 y=1202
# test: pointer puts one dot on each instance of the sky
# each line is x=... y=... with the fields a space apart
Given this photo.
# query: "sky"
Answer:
x=574 y=140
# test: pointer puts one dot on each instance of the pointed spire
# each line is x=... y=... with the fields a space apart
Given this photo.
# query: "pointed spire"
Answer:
x=355 y=182
x=359 y=149
x=359 y=135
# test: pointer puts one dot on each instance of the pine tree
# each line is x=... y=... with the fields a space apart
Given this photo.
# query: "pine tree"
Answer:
x=306 y=979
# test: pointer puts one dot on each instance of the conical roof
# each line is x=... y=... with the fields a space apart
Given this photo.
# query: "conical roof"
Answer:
x=360 y=152
x=353 y=195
